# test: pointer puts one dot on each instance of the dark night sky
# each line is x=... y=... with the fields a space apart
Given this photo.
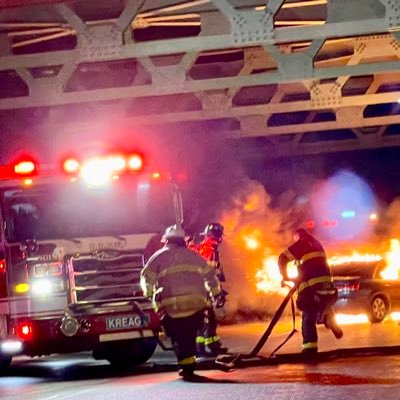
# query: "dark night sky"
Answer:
x=379 y=167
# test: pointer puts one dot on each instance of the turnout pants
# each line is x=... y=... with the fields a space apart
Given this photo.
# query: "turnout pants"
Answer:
x=182 y=332
x=316 y=304
x=207 y=336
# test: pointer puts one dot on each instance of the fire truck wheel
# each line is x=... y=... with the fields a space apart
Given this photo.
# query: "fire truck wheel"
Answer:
x=127 y=354
x=4 y=363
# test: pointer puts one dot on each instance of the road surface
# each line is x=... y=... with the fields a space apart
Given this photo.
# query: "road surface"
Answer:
x=363 y=377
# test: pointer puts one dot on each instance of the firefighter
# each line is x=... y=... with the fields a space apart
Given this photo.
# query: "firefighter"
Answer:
x=208 y=342
x=180 y=283
x=316 y=293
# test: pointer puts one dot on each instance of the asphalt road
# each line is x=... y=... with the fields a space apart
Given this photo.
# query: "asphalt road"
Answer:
x=353 y=376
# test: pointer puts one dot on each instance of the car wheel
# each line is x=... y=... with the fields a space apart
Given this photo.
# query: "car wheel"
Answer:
x=378 y=309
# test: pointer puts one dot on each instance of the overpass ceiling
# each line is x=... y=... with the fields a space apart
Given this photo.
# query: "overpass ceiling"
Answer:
x=289 y=77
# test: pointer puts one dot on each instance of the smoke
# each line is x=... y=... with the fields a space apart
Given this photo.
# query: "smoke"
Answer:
x=389 y=221
x=253 y=235
x=257 y=228
x=254 y=230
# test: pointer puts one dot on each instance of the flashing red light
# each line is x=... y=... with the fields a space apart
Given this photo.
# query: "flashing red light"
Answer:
x=135 y=162
x=310 y=224
x=70 y=165
x=24 y=167
x=2 y=266
x=24 y=330
x=329 y=223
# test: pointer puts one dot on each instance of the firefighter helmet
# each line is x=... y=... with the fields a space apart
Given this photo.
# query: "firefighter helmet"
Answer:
x=174 y=232
x=215 y=229
x=300 y=233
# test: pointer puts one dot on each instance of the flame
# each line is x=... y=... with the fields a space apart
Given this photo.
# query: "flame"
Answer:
x=354 y=257
x=395 y=316
x=268 y=278
x=347 y=319
x=251 y=240
x=392 y=258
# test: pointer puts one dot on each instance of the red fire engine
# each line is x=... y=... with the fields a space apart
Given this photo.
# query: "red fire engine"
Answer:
x=73 y=241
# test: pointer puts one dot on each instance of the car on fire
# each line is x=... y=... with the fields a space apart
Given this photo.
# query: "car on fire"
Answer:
x=362 y=289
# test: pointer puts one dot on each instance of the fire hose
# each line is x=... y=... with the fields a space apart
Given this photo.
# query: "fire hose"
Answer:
x=230 y=360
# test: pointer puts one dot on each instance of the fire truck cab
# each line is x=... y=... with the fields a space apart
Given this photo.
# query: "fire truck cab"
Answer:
x=73 y=241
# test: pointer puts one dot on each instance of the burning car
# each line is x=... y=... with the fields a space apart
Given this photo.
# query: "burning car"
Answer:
x=366 y=287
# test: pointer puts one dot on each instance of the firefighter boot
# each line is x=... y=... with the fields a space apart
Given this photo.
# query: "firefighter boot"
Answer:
x=187 y=372
x=215 y=348
x=330 y=323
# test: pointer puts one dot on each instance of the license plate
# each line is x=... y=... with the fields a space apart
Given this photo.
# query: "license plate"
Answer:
x=126 y=322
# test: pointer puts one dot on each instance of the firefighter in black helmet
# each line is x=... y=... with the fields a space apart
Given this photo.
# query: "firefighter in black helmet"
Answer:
x=208 y=342
x=316 y=293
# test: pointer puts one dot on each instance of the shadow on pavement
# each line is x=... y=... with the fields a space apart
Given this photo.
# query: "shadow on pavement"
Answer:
x=50 y=370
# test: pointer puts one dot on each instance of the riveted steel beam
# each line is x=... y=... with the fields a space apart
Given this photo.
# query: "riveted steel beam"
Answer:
x=250 y=25
x=340 y=123
x=371 y=24
x=329 y=146
x=301 y=64
x=195 y=85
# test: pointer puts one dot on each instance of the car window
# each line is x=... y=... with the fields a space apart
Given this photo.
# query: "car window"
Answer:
x=363 y=270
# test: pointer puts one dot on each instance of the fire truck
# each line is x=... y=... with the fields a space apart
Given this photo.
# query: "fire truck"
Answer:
x=73 y=240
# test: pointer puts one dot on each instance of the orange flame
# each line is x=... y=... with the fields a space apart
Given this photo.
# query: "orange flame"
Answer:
x=251 y=241
x=392 y=258
x=355 y=257
x=268 y=277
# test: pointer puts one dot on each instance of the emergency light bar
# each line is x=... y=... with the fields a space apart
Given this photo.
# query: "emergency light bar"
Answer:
x=95 y=171
x=99 y=170
x=114 y=163
x=70 y=166
x=25 y=168
x=135 y=162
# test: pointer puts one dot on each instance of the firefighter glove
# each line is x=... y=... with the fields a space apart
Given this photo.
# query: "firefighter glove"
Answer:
x=219 y=299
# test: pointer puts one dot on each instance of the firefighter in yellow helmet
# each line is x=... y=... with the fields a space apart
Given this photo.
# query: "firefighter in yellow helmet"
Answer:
x=180 y=283
x=316 y=293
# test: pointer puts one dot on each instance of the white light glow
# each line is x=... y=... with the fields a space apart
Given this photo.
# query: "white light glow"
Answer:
x=71 y=165
x=395 y=316
x=42 y=287
x=96 y=172
x=116 y=163
x=11 y=347
x=349 y=319
x=135 y=162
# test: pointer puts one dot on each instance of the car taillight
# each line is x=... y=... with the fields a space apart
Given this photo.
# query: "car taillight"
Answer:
x=348 y=287
x=24 y=330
